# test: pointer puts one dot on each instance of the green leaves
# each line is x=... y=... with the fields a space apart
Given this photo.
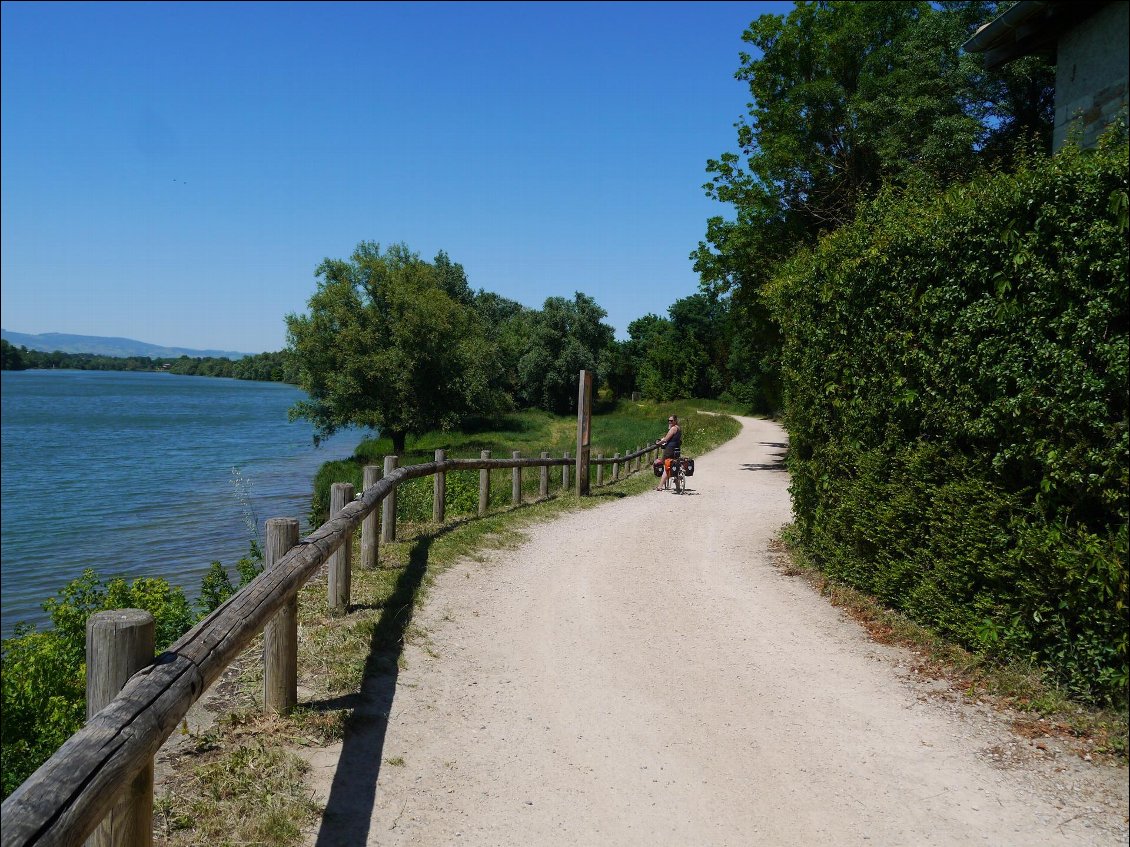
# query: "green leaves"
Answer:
x=392 y=342
x=958 y=391
x=43 y=695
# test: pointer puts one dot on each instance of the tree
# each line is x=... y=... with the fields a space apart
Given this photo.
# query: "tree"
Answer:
x=844 y=98
x=566 y=336
x=508 y=326
x=453 y=279
x=702 y=329
x=11 y=357
x=386 y=346
x=617 y=368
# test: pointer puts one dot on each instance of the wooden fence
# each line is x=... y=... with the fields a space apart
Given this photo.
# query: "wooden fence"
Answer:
x=100 y=781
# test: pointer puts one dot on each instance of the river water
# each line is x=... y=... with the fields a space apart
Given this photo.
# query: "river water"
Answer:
x=143 y=474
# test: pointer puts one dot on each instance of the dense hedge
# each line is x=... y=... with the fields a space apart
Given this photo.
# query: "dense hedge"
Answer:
x=956 y=378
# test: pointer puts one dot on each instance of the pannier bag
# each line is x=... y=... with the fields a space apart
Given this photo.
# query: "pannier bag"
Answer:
x=688 y=466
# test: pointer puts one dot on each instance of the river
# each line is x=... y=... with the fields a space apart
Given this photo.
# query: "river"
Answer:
x=143 y=474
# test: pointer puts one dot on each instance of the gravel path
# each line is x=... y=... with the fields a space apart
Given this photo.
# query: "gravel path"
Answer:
x=643 y=674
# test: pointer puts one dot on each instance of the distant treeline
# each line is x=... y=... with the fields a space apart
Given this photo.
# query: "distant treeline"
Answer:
x=265 y=367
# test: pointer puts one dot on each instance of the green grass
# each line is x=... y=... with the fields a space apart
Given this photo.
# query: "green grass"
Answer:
x=252 y=793
x=617 y=427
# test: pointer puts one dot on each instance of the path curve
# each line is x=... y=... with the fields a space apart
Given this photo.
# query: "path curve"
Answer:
x=643 y=674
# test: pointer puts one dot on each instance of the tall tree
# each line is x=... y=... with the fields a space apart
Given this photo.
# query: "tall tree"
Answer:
x=847 y=97
x=385 y=345
x=566 y=336
x=508 y=325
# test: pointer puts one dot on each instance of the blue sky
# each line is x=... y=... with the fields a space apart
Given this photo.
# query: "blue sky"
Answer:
x=174 y=173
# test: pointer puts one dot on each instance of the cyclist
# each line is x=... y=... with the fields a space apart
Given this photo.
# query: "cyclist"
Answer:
x=671 y=442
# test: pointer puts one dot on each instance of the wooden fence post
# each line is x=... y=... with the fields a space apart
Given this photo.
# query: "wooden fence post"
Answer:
x=543 y=480
x=388 y=507
x=119 y=644
x=439 y=490
x=516 y=482
x=280 y=636
x=484 y=485
x=565 y=473
x=599 y=469
x=616 y=467
x=369 y=538
x=341 y=494
x=639 y=457
x=584 y=431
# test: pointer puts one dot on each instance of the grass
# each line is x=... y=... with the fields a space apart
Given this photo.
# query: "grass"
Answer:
x=617 y=427
x=1037 y=707
x=218 y=790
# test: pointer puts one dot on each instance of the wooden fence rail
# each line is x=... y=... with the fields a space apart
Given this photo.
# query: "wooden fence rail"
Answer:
x=67 y=798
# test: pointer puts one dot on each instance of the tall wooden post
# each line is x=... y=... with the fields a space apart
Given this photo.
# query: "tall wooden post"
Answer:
x=543 y=480
x=388 y=507
x=341 y=494
x=584 y=431
x=484 y=485
x=439 y=490
x=118 y=645
x=565 y=473
x=369 y=537
x=616 y=467
x=516 y=482
x=280 y=635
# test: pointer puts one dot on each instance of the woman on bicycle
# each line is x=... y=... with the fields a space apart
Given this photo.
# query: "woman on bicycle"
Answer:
x=671 y=442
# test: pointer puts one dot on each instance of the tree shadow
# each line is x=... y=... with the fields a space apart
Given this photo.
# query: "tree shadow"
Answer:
x=352 y=796
x=601 y=492
x=353 y=792
x=772 y=467
x=776 y=463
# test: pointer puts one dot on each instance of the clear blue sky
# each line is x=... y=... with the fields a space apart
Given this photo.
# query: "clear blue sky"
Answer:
x=174 y=173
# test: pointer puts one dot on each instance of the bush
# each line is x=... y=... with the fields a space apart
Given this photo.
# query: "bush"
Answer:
x=956 y=378
x=43 y=678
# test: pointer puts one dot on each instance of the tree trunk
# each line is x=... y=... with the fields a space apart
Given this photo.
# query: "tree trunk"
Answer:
x=398 y=437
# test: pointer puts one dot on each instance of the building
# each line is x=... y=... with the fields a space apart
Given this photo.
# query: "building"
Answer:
x=1090 y=43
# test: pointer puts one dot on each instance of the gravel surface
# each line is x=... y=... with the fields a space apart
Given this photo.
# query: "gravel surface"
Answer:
x=642 y=674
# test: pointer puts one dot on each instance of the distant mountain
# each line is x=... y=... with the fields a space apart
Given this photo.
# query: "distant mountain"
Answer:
x=49 y=342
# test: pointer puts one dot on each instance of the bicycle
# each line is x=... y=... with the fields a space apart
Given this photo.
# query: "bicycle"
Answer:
x=681 y=468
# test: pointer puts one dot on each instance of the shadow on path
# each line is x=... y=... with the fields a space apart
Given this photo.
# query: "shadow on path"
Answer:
x=352 y=796
x=776 y=463
x=353 y=792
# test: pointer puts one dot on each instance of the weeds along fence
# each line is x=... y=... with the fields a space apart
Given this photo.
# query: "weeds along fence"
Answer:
x=100 y=781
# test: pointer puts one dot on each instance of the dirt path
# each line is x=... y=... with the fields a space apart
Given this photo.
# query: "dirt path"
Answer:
x=644 y=675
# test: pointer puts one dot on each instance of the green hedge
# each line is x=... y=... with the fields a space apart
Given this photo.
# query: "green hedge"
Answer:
x=957 y=391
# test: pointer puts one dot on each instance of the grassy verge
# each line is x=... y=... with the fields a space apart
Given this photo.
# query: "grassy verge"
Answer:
x=219 y=791
x=1038 y=708
x=617 y=427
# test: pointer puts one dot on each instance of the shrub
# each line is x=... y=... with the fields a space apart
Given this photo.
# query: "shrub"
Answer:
x=957 y=391
x=43 y=678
